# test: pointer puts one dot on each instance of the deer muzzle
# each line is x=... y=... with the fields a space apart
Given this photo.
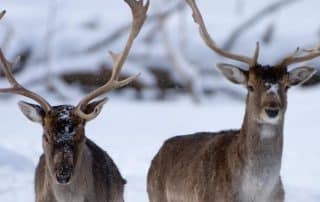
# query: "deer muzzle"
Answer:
x=272 y=105
x=272 y=112
x=64 y=165
x=64 y=174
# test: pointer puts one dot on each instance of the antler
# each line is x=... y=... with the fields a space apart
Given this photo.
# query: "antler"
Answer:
x=16 y=87
x=211 y=44
x=294 y=58
x=139 y=13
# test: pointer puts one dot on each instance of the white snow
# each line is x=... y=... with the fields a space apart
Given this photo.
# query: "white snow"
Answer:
x=273 y=88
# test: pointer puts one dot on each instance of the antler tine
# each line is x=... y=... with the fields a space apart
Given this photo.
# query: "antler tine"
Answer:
x=208 y=40
x=18 y=88
x=139 y=13
x=293 y=58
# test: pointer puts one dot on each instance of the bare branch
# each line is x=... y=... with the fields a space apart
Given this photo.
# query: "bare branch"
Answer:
x=173 y=58
x=269 y=33
x=125 y=28
x=260 y=15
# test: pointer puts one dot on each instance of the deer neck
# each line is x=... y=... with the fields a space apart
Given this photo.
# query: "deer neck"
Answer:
x=261 y=149
x=260 y=139
x=262 y=144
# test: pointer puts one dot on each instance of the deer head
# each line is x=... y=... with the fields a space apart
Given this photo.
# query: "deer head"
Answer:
x=64 y=126
x=267 y=85
x=63 y=137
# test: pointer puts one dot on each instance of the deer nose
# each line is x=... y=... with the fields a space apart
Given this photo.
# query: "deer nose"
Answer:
x=272 y=112
x=64 y=174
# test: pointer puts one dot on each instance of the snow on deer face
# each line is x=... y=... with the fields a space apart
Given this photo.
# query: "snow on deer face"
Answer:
x=267 y=87
x=267 y=95
x=63 y=136
x=63 y=141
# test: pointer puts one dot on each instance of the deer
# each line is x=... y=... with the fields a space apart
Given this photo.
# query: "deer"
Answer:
x=233 y=165
x=72 y=167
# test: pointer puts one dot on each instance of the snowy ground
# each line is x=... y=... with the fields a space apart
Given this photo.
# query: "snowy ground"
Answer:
x=133 y=132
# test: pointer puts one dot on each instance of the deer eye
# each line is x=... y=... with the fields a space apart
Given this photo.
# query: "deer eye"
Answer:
x=250 y=88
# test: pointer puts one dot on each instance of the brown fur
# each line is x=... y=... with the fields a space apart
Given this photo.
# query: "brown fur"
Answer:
x=236 y=165
x=103 y=184
x=94 y=175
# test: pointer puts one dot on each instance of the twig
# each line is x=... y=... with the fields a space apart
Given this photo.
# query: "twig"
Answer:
x=182 y=30
x=173 y=58
x=272 y=8
x=269 y=33
x=50 y=37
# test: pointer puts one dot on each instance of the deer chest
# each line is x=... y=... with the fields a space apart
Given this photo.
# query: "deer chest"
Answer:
x=258 y=188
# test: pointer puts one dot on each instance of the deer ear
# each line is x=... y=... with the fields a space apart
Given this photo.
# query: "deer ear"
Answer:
x=33 y=112
x=233 y=73
x=300 y=75
x=94 y=108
